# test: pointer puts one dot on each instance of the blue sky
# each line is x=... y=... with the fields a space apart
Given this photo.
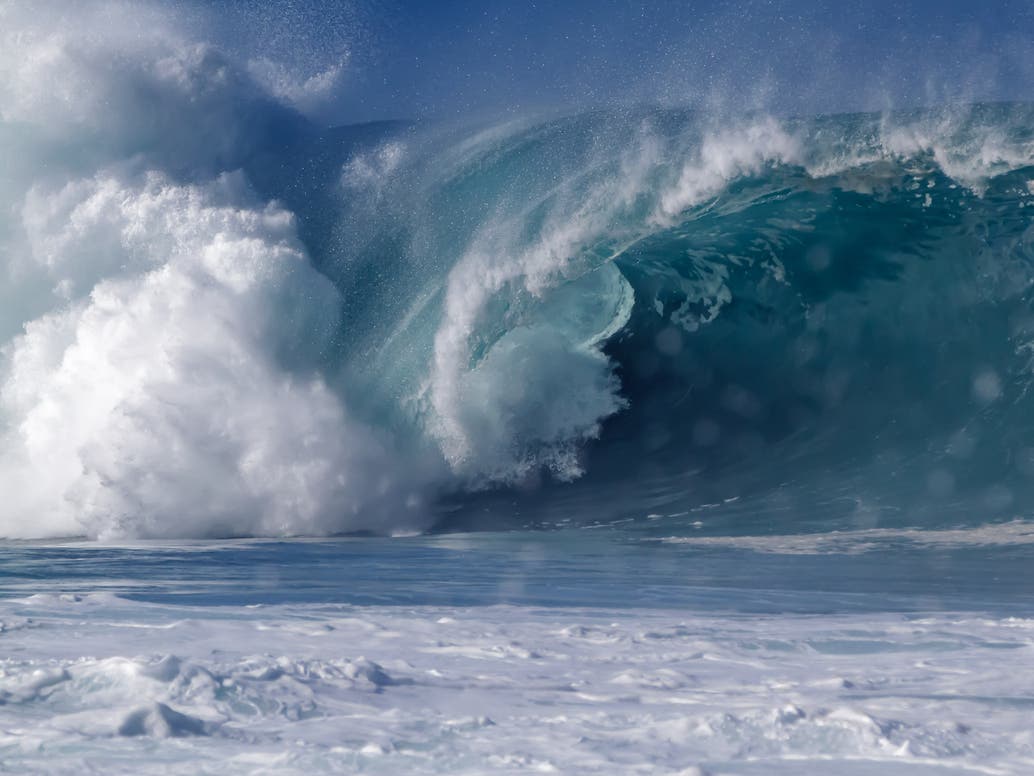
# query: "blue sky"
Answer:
x=445 y=58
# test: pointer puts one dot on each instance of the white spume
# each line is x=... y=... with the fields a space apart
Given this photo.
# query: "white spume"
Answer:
x=160 y=689
x=159 y=377
x=152 y=401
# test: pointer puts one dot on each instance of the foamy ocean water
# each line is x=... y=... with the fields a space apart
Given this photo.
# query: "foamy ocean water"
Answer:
x=570 y=652
x=595 y=387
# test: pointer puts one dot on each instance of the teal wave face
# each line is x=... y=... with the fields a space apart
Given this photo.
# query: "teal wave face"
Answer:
x=831 y=315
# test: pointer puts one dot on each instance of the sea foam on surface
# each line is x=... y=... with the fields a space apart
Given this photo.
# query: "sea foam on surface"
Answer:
x=148 y=688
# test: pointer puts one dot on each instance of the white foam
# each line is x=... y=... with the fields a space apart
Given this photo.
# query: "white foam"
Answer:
x=522 y=689
x=1017 y=532
x=153 y=402
x=725 y=155
x=542 y=390
x=165 y=379
x=114 y=79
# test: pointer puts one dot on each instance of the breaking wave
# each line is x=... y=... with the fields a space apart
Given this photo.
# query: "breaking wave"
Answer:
x=221 y=319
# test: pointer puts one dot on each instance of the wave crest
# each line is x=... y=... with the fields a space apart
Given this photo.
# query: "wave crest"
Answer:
x=219 y=318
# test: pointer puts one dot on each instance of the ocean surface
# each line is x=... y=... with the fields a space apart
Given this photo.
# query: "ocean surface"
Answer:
x=572 y=651
x=639 y=439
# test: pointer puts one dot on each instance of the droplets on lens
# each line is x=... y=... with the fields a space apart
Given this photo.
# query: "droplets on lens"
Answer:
x=987 y=386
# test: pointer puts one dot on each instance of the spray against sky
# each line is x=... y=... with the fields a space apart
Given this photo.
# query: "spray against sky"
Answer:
x=407 y=58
